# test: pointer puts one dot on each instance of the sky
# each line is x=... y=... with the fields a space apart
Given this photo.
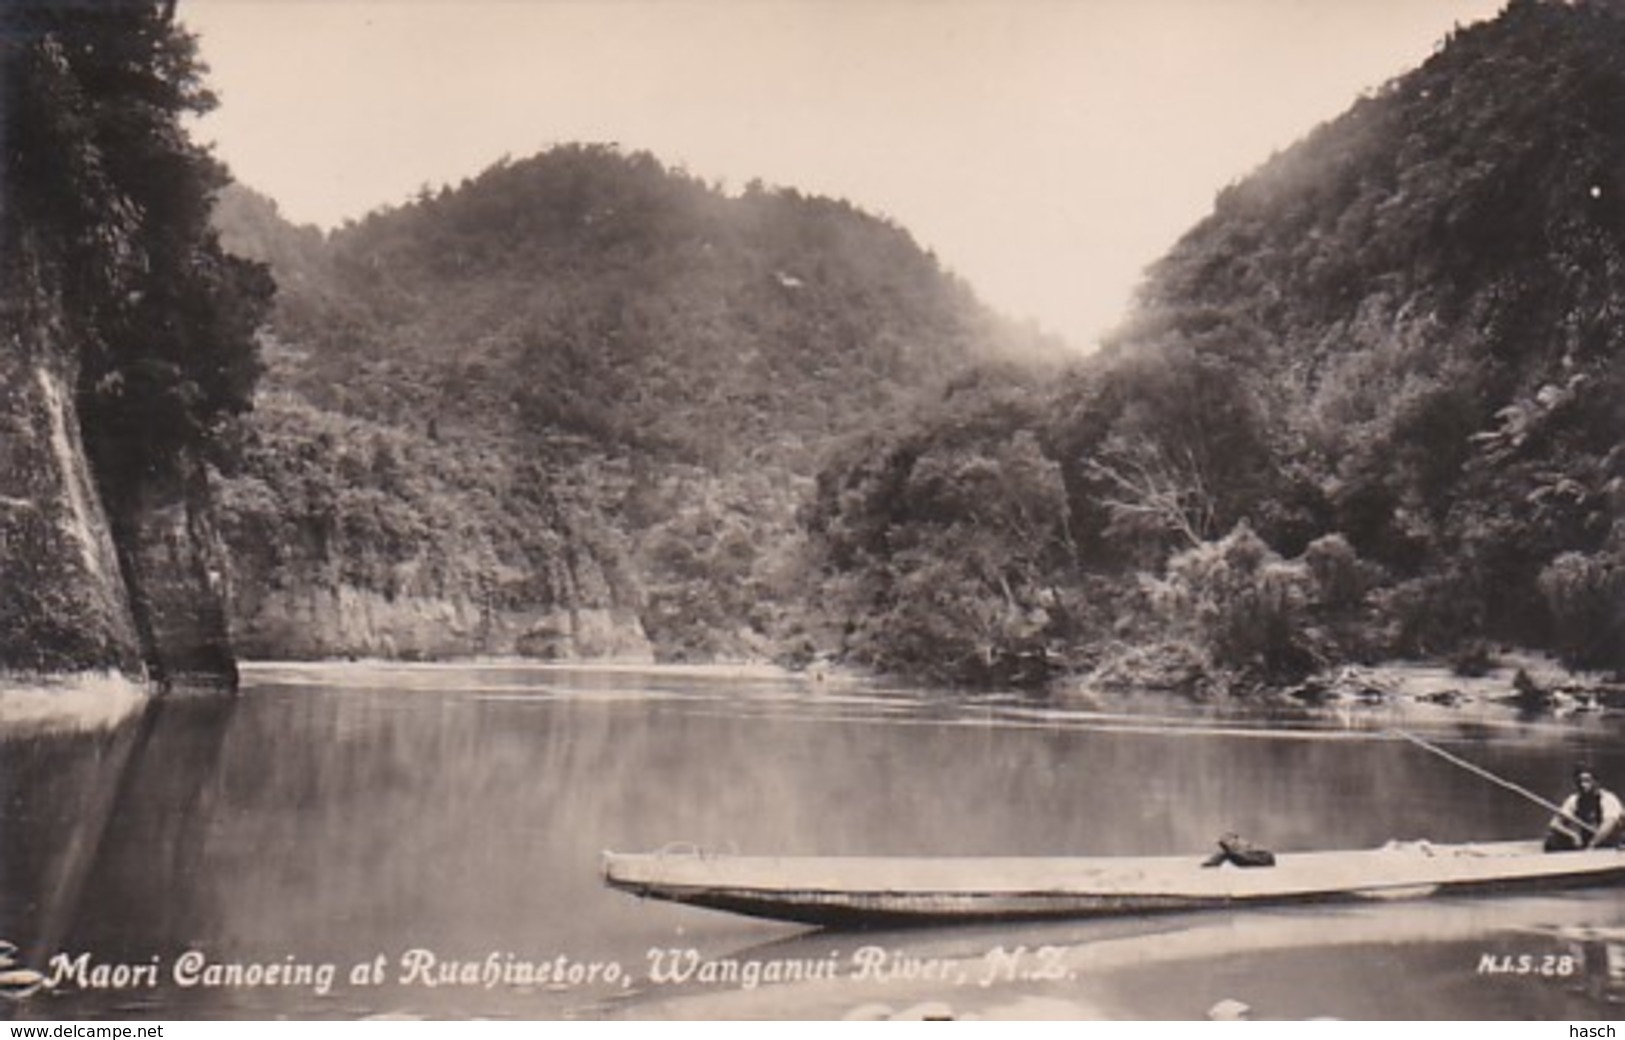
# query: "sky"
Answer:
x=1045 y=150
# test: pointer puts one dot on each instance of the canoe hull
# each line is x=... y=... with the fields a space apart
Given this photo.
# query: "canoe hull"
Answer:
x=848 y=892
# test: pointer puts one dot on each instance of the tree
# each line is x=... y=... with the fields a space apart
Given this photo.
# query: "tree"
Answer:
x=948 y=550
x=1243 y=605
x=114 y=200
x=1168 y=448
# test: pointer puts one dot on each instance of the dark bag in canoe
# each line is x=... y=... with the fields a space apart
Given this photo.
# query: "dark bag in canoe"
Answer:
x=1240 y=852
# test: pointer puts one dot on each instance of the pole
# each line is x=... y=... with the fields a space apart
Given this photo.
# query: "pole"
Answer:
x=1492 y=778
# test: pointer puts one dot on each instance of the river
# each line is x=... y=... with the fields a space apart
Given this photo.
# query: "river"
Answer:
x=366 y=840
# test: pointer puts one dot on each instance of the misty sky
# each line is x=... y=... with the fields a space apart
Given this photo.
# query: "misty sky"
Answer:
x=1045 y=150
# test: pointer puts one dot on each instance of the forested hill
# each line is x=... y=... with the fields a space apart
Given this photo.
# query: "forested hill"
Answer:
x=590 y=292
x=573 y=400
x=1373 y=404
x=1425 y=301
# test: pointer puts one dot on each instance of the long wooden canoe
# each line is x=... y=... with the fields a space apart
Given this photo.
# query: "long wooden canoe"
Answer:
x=858 y=891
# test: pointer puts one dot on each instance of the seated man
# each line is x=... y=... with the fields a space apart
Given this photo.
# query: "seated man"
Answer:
x=1591 y=817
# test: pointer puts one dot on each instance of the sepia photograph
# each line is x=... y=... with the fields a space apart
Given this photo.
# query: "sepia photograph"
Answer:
x=812 y=510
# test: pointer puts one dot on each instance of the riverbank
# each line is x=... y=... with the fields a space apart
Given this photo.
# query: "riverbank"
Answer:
x=1530 y=683
x=1527 y=682
x=721 y=670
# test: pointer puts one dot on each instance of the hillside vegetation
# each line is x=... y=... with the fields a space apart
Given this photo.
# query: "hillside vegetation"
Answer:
x=580 y=389
x=1372 y=405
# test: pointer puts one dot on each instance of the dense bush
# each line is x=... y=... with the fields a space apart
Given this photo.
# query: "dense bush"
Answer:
x=1245 y=606
x=105 y=190
x=1586 y=596
x=947 y=550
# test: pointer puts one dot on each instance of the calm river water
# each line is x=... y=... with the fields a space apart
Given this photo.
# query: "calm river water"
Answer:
x=312 y=847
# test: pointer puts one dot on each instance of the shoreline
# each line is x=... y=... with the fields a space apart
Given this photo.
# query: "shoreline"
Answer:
x=1528 y=680
x=1531 y=683
x=619 y=666
x=1522 y=680
x=1518 y=686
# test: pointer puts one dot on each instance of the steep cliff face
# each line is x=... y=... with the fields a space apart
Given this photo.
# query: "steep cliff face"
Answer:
x=175 y=568
x=317 y=622
x=63 y=603
x=126 y=348
x=351 y=538
x=348 y=603
x=138 y=591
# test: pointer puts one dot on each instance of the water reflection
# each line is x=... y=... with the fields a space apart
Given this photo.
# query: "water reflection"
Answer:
x=1524 y=957
x=59 y=791
x=1601 y=950
x=337 y=815
x=102 y=834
